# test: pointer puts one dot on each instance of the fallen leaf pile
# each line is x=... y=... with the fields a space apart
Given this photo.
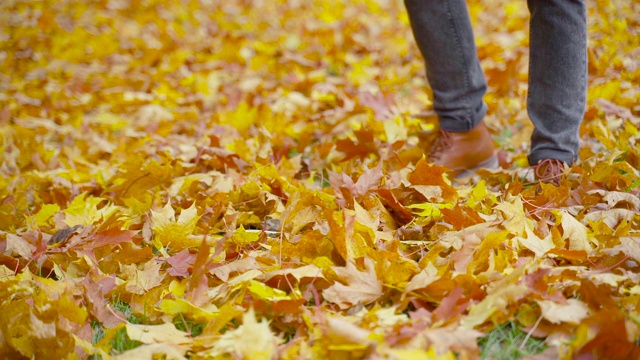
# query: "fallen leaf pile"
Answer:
x=245 y=179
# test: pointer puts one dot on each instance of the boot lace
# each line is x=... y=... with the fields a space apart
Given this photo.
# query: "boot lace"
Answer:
x=442 y=143
x=550 y=171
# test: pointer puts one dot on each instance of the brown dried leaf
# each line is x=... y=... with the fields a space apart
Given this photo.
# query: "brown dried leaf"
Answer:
x=141 y=281
x=363 y=287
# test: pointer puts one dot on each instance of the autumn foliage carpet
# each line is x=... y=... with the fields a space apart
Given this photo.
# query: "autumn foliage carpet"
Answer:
x=244 y=179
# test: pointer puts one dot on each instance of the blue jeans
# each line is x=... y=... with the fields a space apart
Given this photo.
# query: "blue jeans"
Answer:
x=557 y=70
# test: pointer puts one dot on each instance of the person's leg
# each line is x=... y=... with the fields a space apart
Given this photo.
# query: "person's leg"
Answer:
x=442 y=29
x=443 y=32
x=557 y=78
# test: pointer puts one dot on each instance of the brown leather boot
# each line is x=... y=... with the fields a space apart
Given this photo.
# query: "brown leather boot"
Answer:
x=465 y=152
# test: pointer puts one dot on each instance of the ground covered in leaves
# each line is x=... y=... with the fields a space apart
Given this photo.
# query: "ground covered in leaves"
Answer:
x=244 y=179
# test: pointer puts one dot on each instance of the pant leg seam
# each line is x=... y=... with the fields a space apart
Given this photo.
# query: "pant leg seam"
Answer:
x=456 y=35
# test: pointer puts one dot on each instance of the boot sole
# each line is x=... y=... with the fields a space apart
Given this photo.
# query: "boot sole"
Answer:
x=490 y=163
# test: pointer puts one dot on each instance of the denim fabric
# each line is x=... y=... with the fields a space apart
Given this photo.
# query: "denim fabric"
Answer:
x=557 y=70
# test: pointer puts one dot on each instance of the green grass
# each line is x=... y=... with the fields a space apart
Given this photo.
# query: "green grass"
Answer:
x=98 y=332
x=189 y=326
x=505 y=342
x=121 y=341
x=124 y=308
x=97 y=335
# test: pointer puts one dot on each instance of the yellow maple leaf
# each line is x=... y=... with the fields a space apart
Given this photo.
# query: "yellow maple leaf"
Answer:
x=251 y=340
x=539 y=246
x=429 y=211
x=419 y=354
x=516 y=221
x=45 y=213
x=83 y=210
x=141 y=281
x=242 y=237
x=574 y=232
x=425 y=277
x=484 y=255
x=181 y=306
x=174 y=233
x=363 y=287
x=152 y=334
x=242 y=118
x=154 y=351
x=497 y=301
x=572 y=311
x=265 y=292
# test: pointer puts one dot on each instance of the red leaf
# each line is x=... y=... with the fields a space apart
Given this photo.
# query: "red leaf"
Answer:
x=198 y=282
x=370 y=179
x=181 y=263
x=401 y=214
x=360 y=149
x=95 y=297
x=112 y=237
x=428 y=174
x=571 y=255
x=461 y=217
x=539 y=285
x=612 y=341
x=449 y=305
x=598 y=297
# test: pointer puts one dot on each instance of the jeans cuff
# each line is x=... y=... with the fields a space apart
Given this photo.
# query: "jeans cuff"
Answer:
x=544 y=154
x=463 y=123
